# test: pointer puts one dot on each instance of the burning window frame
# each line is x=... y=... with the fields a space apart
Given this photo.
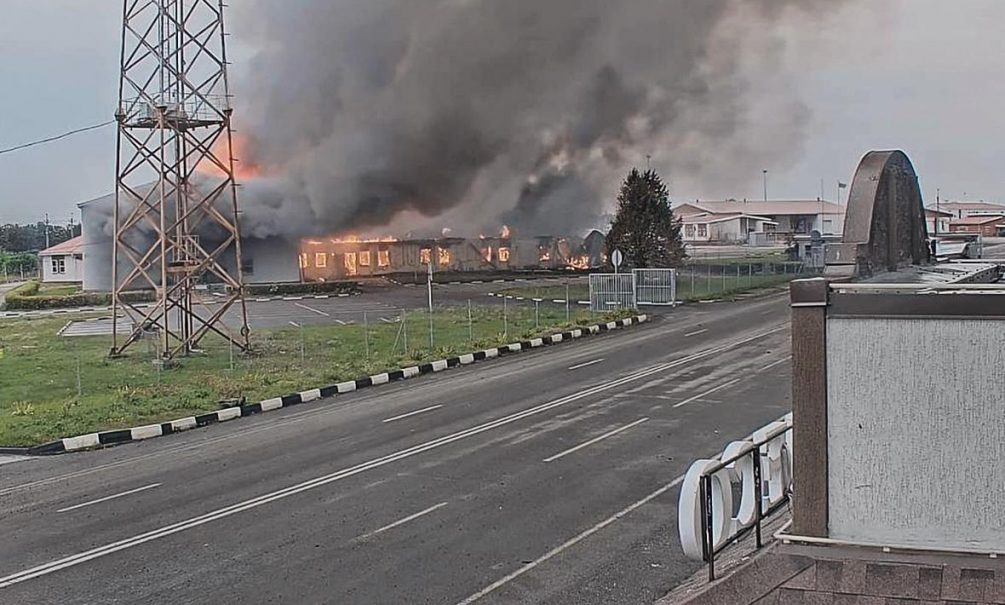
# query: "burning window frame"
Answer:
x=425 y=256
x=364 y=258
x=321 y=260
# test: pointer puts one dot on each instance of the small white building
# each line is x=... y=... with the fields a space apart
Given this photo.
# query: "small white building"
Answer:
x=747 y=221
x=63 y=262
x=732 y=228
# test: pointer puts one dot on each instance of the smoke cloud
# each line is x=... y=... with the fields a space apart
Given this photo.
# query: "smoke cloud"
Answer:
x=412 y=115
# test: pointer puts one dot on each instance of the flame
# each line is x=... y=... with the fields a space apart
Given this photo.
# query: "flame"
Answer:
x=544 y=255
x=503 y=255
x=580 y=262
x=244 y=167
x=504 y=232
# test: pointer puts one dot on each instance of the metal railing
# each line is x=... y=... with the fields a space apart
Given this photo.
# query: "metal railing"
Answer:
x=755 y=452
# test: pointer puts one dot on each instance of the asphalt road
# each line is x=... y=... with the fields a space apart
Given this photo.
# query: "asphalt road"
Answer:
x=547 y=477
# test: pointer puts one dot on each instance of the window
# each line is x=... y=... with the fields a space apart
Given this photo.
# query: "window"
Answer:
x=320 y=260
x=503 y=255
x=689 y=231
x=364 y=258
x=702 y=230
x=444 y=256
x=304 y=260
x=426 y=256
x=349 y=261
x=383 y=258
x=59 y=264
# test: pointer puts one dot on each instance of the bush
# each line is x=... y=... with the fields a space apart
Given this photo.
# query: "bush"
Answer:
x=26 y=298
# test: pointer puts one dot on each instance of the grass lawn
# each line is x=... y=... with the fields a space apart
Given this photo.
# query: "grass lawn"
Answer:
x=38 y=377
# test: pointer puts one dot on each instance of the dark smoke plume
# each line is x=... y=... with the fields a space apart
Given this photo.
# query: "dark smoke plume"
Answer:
x=412 y=114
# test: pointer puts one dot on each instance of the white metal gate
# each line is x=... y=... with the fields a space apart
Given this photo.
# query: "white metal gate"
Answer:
x=655 y=286
x=612 y=291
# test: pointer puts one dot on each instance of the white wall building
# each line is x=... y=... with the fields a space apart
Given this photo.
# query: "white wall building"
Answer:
x=733 y=221
x=63 y=262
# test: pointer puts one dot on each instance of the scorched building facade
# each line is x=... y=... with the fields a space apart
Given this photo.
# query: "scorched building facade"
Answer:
x=276 y=260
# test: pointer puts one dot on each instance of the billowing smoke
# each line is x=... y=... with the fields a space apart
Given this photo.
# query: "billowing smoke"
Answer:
x=464 y=114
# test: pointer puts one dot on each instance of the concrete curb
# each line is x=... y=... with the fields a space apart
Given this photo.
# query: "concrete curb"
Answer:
x=140 y=433
x=557 y=301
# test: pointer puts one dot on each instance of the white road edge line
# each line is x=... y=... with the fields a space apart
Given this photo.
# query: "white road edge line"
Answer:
x=312 y=309
x=107 y=498
x=570 y=542
x=773 y=364
x=708 y=392
x=233 y=509
x=595 y=440
x=697 y=332
x=400 y=522
x=583 y=365
x=422 y=411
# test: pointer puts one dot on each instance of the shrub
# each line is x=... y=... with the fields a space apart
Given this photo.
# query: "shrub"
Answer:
x=26 y=298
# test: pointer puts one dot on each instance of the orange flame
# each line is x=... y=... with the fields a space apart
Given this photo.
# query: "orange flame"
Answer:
x=504 y=232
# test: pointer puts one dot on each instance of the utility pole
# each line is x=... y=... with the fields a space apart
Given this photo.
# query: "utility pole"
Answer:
x=765 y=173
x=938 y=208
x=47 y=230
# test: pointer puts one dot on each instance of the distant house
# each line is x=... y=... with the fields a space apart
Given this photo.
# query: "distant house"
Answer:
x=723 y=228
x=749 y=222
x=63 y=262
x=987 y=226
x=937 y=221
x=964 y=209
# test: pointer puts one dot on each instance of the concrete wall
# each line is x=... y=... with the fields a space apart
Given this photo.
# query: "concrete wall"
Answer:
x=916 y=460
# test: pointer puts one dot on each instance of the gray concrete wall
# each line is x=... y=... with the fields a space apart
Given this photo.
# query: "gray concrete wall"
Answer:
x=272 y=261
x=916 y=431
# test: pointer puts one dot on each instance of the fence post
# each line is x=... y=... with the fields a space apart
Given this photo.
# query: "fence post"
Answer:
x=505 y=319
x=366 y=336
x=430 y=329
x=723 y=269
x=537 y=315
x=471 y=331
x=76 y=354
x=567 y=313
x=404 y=329
x=692 y=280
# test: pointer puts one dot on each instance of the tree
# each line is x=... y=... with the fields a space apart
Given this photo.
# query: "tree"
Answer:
x=644 y=228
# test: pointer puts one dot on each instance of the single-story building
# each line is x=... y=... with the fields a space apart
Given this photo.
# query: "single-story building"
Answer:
x=760 y=222
x=964 y=209
x=937 y=220
x=987 y=226
x=329 y=258
x=710 y=227
x=63 y=262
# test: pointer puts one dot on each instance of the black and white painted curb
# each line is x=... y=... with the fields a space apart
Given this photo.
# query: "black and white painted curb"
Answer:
x=116 y=437
x=560 y=301
x=11 y=314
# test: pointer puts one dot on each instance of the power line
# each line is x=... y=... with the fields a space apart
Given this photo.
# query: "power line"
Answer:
x=57 y=137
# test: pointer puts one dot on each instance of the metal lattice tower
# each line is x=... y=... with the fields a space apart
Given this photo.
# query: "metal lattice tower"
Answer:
x=176 y=218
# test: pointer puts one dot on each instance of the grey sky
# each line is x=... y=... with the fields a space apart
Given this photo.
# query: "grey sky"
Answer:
x=921 y=75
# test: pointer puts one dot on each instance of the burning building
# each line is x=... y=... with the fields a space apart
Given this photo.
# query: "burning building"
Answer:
x=269 y=260
x=337 y=258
